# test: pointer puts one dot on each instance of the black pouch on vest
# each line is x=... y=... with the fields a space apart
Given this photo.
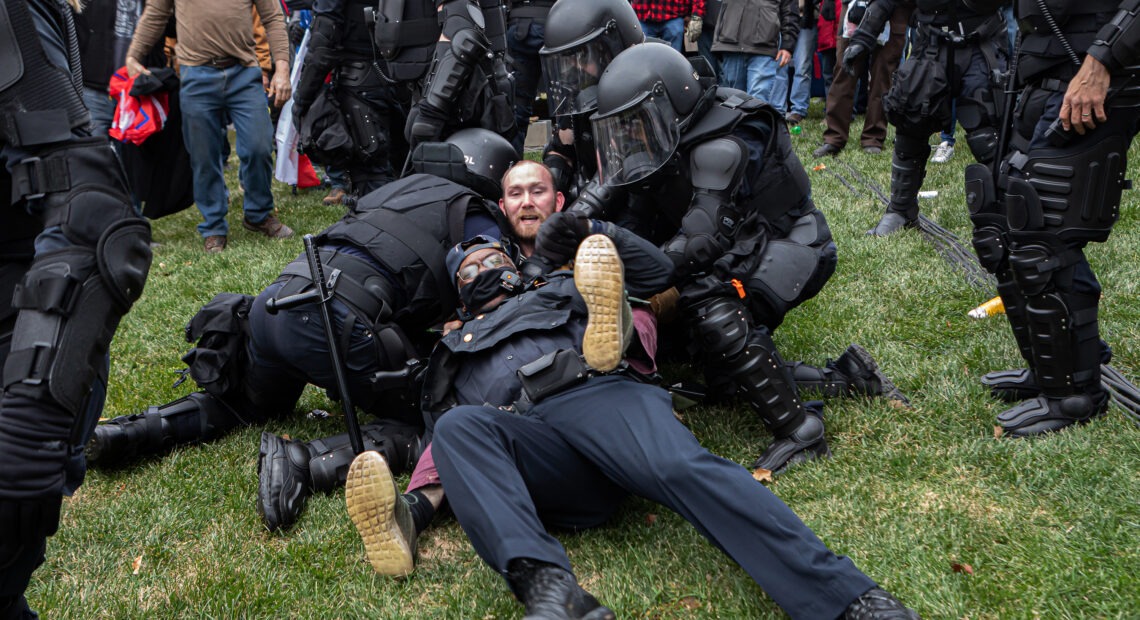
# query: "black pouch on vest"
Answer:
x=552 y=373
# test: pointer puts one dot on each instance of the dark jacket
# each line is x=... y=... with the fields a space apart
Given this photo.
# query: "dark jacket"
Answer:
x=476 y=364
x=760 y=27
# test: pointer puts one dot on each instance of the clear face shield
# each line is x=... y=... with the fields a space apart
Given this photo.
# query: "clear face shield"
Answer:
x=635 y=141
x=573 y=75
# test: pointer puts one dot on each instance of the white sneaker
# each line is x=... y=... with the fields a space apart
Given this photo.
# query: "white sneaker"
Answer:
x=943 y=152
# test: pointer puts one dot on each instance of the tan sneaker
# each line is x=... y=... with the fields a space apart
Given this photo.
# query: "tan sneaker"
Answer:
x=215 y=244
x=381 y=515
x=270 y=227
x=335 y=197
x=600 y=278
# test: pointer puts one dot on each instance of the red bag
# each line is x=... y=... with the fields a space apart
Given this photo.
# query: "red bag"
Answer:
x=136 y=118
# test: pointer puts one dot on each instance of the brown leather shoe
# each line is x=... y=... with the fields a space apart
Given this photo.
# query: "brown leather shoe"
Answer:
x=334 y=197
x=215 y=244
x=271 y=227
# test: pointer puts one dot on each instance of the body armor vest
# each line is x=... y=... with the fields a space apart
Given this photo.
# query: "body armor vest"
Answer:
x=782 y=184
x=408 y=226
x=1078 y=22
x=39 y=102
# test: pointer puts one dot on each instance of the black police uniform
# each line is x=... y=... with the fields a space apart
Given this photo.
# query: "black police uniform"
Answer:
x=340 y=42
x=958 y=54
x=468 y=83
x=253 y=363
x=71 y=240
x=731 y=204
x=1055 y=193
x=570 y=459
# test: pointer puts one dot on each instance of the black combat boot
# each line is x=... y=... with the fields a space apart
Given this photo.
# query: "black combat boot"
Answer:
x=855 y=373
x=552 y=593
x=878 y=604
x=289 y=471
x=191 y=419
x=908 y=169
x=1046 y=414
x=1013 y=385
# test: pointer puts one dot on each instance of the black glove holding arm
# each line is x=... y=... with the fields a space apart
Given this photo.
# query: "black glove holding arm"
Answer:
x=560 y=234
x=864 y=41
x=322 y=56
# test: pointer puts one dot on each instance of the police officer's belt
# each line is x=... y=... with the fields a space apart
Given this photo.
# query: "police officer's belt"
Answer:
x=366 y=302
x=965 y=32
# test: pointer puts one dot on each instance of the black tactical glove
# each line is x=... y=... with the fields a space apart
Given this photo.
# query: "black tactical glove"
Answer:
x=559 y=236
x=425 y=124
x=857 y=50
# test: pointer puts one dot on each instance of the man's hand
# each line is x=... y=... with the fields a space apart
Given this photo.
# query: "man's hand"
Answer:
x=693 y=30
x=279 y=87
x=854 y=54
x=1083 y=105
x=134 y=67
x=559 y=236
x=783 y=57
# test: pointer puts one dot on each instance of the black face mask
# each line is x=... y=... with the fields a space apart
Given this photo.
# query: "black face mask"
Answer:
x=487 y=286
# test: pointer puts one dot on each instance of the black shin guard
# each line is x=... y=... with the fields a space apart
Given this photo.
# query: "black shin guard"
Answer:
x=192 y=419
x=908 y=169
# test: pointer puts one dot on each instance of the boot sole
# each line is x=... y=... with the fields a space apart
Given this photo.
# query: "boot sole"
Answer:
x=370 y=495
x=600 y=278
x=888 y=389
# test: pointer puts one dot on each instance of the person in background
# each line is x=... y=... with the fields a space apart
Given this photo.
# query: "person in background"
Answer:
x=220 y=75
x=665 y=19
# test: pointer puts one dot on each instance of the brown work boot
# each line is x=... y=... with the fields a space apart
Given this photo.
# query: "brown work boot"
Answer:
x=270 y=227
x=335 y=197
x=215 y=244
x=381 y=516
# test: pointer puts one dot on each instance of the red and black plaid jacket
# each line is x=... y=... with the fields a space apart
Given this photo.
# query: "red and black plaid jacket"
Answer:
x=663 y=10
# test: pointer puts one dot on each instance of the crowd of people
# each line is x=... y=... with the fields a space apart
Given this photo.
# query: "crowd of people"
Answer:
x=502 y=319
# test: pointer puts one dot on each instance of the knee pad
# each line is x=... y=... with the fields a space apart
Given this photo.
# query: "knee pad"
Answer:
x=721 y=325
x=70 y=304
x=788 y=275
x=1073 y=192
x=983 y=143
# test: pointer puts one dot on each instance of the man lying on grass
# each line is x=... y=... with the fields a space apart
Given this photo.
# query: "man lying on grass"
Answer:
x=533 y=414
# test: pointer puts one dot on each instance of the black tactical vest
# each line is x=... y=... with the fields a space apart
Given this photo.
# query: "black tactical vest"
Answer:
x=408 y=226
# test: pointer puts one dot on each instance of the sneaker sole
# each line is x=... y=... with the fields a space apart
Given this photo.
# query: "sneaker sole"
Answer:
x=600 y=278
x=888 y=388
x=370 y=495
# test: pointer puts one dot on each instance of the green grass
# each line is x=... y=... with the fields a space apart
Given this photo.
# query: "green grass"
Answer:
x=1050 y=527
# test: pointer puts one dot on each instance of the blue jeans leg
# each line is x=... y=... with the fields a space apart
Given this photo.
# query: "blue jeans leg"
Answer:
x=249 y=112
x=527 y=69
x=671 y=31
x=202 y=102
x=803 y=59
x=761 y=72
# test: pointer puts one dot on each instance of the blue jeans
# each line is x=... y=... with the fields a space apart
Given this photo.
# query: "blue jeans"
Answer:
x=752 y=73
x=207 y=95
x=704 y=48
x=102 y=109
x=801 y=82
x=671 y=31
x=524 y=46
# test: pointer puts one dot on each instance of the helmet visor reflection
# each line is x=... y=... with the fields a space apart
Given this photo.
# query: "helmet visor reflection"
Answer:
x=573 y=76
x=635 y=141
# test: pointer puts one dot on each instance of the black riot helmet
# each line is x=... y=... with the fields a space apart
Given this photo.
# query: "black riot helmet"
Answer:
x=647 y=96
x=581 y=39
x=475 y=158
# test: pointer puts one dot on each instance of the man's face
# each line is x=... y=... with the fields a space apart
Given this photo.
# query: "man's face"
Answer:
x=476 y=263
x=529 y=198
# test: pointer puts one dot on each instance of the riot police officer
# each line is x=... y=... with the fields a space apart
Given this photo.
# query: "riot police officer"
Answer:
x=1057 y=189
x=468 y=83
x=252 y=363
x=340 y=41
x=580 y=43
x=75 y=258
x=958 y=54
x=713 y=178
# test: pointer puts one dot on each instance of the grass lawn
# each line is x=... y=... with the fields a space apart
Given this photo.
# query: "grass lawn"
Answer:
x=955 y=522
